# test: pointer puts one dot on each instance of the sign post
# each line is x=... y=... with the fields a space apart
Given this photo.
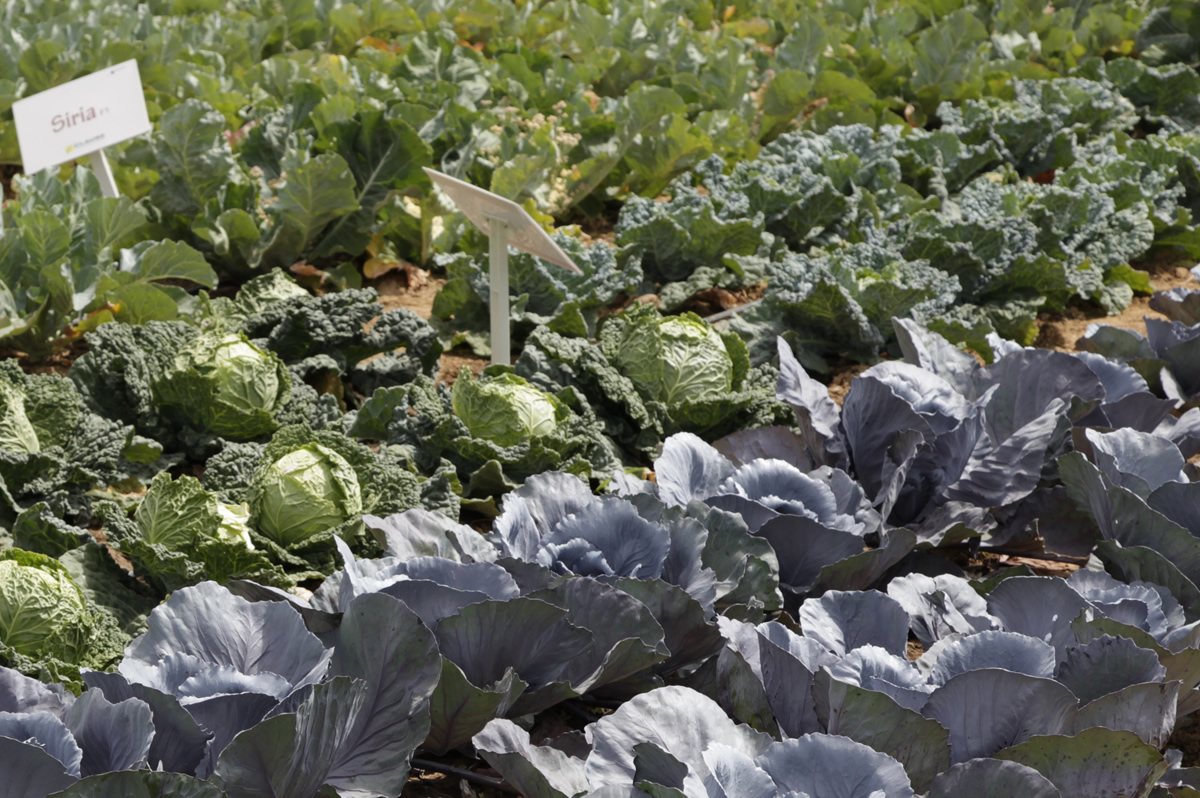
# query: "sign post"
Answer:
x=504 y=222
x=82 y=118
x=498 y=290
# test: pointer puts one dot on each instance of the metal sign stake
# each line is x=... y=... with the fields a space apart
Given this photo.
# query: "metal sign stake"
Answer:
x=108 y=186
x=498 y=231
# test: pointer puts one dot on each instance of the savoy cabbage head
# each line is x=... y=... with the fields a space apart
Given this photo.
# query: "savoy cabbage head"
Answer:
x=48 y=628
x=224 y=384
x=506 y=409
x=490 y=433
x=302 y=488
x=674 y=359
x=182 y=534
x=306 y=491
x=651 y=376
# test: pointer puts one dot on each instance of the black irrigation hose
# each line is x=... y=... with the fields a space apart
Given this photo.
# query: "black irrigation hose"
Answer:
x=466 y=775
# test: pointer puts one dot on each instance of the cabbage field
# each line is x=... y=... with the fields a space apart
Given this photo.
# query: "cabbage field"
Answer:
x=860 y=460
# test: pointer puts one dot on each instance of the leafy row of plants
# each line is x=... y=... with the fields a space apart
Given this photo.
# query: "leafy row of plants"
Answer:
x=296 y=132
x=1011 y=207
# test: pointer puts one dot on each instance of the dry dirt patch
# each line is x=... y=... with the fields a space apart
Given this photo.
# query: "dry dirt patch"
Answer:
x=1060 y=331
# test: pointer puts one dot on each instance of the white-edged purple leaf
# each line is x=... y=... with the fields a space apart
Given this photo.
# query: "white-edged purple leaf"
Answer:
x=424 y=533
x=652 y=765
x=872 y=718
x=940 y=605
x=1041 y=607
x=179 y=743
x=1027 y=383
x=1180 y=502
x=678 y=720
x=1139 y=461
x=252 y=636
x=768 y=443
x=734 y=774
x=384 y=644
x=992 y=778
x=1148 y=710
x=21 y=693
x=141 y=784
x=873 y=668
x=459 y=709
x=752 y=512
x=536 y=771
x=46 y=732
x=804 y=547
x=1107 y=664
x=1007 y=650
x=530 y=636
x=823 y=764
x=688 y=632
x=990 y=709
x=740 y=692
x=786 y=665
x=688 y=469
x=28 y=770
x=225 y=717
x=1008 y=471
x=793 y=491
x=112 y=736
x=932 y=352
x=627 y=544
x=844 y=620
x=626 y=639
x=861 y=571
x=293 y=753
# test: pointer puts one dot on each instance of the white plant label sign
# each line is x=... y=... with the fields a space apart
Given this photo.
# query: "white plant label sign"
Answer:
x=81 y=117
x=504 y=222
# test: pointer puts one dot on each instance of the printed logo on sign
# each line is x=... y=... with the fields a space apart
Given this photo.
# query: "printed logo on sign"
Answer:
x=81 y=117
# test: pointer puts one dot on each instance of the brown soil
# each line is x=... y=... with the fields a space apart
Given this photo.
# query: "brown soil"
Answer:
x=410 y=288
x=839 y=384
x=1061 y=331
x=57 y=363
x=714 y=300
x=455 y=359
x=415 y=289
x=598 y=228
x=915 y=650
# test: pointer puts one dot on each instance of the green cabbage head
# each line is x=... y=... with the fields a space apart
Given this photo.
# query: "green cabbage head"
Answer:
x=309 y=490
x=505 y=409
x=225 y=385
x=42 y=612
x=675 y=359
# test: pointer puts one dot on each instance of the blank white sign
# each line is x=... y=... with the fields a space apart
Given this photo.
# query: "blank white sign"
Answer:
x=479 y=205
